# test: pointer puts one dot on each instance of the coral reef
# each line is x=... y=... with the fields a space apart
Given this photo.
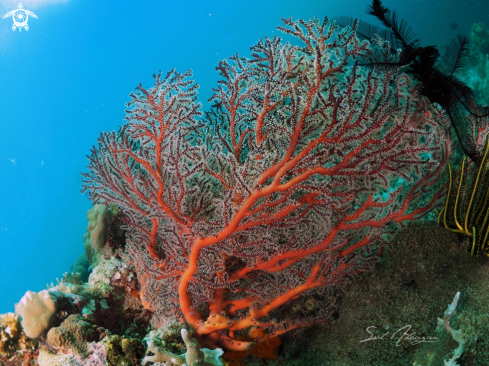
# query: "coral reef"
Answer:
x=122 y=351
x=110 y=271
x=120 y=307
x=168 y=337
x=45 y=309
x=12 y=337
x=73 y=335
x=229 y=230
x=193 y=357
x=286 y=201
x=96 y=357
x=107 y=297
x=95 y=323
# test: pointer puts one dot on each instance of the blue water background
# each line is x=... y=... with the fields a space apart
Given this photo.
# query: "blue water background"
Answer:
x=68 y=78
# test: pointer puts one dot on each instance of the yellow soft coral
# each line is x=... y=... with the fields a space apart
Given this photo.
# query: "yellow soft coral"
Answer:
x=12 y=338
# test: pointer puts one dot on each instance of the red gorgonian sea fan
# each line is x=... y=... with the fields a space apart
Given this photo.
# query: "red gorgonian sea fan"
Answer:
x=284 y=190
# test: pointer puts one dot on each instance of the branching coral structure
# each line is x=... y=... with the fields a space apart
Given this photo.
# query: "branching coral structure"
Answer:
x=286 y=189
x=193 y=357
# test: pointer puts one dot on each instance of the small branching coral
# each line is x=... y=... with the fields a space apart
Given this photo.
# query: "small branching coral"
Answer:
x=73 y=278
x=193 y=357
x=282 y=190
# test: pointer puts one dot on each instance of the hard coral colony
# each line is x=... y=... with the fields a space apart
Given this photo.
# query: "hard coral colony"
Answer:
x=288 y=186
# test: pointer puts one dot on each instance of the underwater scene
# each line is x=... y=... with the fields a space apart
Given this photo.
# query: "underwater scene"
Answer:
x=244 y=183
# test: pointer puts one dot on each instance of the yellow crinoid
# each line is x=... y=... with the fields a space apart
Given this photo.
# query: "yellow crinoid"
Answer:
x=466 y=208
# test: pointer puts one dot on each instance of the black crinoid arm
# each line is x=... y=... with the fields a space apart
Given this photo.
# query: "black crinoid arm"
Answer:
x=443 y=84
x=400 y=36
x=399 y=29
x=440 y=79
